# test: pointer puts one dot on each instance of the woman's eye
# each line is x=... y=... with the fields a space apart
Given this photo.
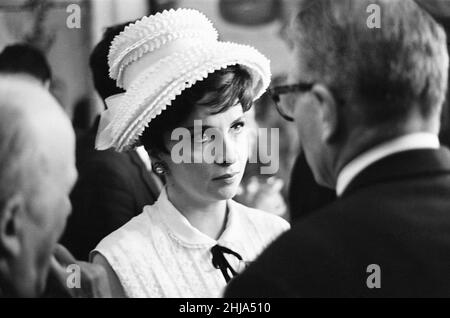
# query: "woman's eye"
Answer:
x=238 y=127
x=205 y=137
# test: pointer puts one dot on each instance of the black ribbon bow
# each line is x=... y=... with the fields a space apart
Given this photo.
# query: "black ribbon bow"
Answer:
x=219 y=261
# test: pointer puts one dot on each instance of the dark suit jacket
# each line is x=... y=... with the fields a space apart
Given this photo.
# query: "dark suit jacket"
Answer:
x=395 y=214
x=112 y=188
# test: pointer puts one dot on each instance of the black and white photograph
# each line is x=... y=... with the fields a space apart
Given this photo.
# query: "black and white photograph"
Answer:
x=225 y=154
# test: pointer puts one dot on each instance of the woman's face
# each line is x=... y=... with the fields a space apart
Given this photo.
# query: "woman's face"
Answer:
x=210 y=175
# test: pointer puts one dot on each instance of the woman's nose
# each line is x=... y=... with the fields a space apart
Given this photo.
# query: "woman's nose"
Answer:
x=228 y=154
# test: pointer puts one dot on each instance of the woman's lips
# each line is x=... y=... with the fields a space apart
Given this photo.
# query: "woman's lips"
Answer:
x=228 y=177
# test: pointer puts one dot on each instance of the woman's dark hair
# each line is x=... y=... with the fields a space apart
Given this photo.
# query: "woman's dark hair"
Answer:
x=228 y=86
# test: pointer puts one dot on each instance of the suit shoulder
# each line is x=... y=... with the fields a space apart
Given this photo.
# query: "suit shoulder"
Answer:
x=109 y=158
x=109 y=164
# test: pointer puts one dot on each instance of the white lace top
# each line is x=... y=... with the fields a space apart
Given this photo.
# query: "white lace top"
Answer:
x=160 y=254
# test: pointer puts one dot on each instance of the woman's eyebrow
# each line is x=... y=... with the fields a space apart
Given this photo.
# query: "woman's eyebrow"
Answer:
x=203 y=127
x=241 y=118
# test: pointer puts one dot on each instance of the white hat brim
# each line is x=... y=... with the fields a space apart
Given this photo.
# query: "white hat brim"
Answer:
x=155 y=88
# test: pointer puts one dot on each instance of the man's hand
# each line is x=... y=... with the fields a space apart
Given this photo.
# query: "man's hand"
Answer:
x=93 y=279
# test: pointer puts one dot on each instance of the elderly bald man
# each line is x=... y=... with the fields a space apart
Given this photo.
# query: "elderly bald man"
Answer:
x=37 y=173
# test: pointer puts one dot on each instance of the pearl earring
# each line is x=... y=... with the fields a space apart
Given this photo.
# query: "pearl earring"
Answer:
x=159 y=168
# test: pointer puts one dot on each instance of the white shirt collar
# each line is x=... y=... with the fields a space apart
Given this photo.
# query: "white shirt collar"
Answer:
x=189 y=236
x=403 y=143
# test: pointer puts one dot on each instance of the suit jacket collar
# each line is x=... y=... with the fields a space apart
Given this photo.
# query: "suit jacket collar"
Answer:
x=420 y=140
x=405 y=164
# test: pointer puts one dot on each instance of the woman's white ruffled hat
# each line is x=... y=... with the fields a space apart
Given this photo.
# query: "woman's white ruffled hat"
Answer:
x=158 y=57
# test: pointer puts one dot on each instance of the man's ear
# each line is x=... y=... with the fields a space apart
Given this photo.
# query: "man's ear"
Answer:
x=328 y=111
x=11 y=225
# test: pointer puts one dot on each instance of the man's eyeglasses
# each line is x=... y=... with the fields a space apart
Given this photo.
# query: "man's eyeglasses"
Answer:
x=276 y=91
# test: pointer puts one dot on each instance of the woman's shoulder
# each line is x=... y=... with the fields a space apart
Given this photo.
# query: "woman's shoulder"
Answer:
x=261 y=218
x=130 y=234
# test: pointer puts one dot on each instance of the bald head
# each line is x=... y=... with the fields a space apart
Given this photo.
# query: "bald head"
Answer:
x=37 y=152
x=34 y=130
x=20 y=93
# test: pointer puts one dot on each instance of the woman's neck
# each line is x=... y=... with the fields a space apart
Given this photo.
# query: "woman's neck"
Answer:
x=208 y=217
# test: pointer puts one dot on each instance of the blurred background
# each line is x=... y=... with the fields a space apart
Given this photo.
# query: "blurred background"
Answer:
x=49 y=26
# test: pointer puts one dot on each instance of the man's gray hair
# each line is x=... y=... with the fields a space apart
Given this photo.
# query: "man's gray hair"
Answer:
x=388 y=71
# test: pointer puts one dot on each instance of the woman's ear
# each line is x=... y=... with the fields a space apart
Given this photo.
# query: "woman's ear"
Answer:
x=12 y=218
x=328 y=111
x=159 y=165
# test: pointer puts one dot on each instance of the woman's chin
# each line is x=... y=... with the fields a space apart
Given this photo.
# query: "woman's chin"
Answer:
x=226 y=192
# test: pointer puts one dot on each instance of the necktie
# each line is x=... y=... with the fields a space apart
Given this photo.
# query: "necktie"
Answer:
x=219 y=261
